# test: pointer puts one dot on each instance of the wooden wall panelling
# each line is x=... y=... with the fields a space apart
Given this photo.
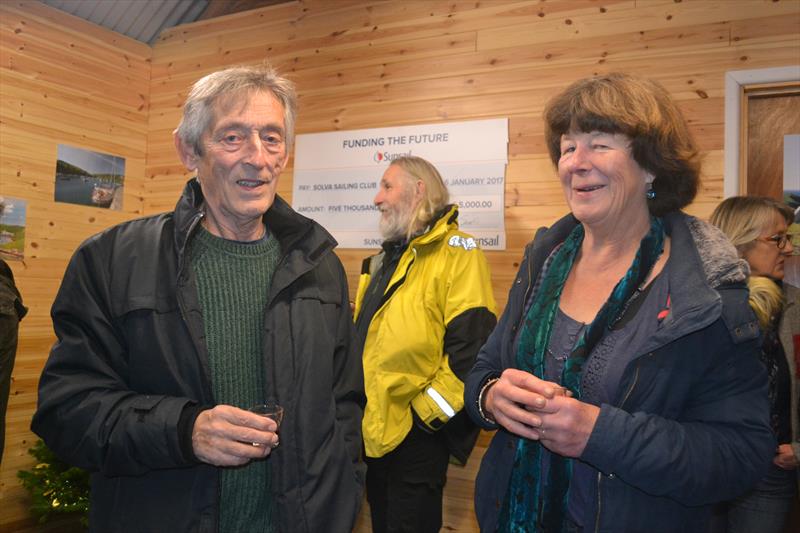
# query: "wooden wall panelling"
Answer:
x=62 y=81
x=370 y=24
x=364 y=64
x=633 y=16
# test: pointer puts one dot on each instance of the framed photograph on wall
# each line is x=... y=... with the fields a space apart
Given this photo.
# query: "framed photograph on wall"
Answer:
x=90 y=178
x=12 y=228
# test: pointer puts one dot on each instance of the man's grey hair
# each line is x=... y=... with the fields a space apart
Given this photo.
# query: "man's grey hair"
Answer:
x=198 y=110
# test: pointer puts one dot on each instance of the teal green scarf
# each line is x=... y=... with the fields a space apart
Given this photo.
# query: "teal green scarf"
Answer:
x=533 y=503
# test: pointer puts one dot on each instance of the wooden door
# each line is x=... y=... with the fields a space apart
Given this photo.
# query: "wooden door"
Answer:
x=771 y=111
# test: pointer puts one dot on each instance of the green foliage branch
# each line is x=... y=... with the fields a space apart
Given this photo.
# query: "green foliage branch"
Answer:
x=56 y=488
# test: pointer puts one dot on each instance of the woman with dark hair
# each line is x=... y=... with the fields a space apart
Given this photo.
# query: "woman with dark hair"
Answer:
x=622 y=377
x=757 y=228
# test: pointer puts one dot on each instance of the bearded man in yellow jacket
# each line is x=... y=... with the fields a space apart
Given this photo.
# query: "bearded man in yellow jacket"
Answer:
x=424 y=308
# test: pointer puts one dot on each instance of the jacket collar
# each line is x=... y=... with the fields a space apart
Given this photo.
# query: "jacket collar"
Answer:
x=445 y=221
x=437 y=229
x=188 y=213
x=704 y=261
x=300 y=238
x=701 y=261
x=706 y=255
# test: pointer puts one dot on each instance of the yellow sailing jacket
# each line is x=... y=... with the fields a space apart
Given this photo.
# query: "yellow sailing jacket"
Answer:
x=440 y=287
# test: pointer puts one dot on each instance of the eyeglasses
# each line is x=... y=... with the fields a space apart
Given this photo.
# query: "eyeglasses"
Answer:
x=780 y=240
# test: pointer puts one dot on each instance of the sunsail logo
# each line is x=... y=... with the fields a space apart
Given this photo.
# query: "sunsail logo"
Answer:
x=380 y=157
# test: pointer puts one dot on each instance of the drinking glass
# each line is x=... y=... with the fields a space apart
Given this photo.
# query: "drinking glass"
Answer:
x=270 y=409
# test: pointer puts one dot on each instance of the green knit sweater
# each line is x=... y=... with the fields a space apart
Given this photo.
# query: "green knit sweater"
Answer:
x=233 y=281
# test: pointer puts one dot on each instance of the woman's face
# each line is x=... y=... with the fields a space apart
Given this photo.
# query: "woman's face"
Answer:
x=764 y=256
x=603 y=185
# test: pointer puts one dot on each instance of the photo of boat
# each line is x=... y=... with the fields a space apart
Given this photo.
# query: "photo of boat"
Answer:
x=89 y=178
x=102 y=196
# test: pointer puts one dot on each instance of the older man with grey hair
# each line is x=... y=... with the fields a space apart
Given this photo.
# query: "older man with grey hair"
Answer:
x=170 y=327
x=423 y=309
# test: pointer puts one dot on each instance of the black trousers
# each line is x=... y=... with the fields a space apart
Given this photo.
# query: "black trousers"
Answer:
x=404 y=487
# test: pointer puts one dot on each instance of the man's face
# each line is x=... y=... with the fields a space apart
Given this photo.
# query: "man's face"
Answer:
x=396 y=199
x=244 y=152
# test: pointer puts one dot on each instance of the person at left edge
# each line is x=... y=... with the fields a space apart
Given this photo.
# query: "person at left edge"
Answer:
x=169 y=326
x=424 y=307
x=11 y=313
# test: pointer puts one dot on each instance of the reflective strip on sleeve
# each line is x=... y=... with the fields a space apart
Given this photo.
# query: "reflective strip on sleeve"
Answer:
x=441 y=402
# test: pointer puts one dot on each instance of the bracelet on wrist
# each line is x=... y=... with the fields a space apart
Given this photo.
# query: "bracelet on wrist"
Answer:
x=481 y=396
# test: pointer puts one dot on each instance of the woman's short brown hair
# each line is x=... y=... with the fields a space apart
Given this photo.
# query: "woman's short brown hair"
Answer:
x=642 y=110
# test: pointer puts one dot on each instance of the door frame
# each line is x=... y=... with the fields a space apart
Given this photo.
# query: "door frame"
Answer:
x=735 y=83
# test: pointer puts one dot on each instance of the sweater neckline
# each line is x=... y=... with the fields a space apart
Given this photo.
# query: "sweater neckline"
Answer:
x=262 y=246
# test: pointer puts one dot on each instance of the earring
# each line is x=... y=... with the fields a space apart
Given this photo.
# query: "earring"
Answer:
x=650 y=194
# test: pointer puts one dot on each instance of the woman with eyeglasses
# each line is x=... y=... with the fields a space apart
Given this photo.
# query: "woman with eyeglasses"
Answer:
x=757 y=228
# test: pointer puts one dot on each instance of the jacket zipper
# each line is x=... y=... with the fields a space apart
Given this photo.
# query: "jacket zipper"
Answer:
x=195 y=222
x=600 y=474
x=599 y=504
x=182 y=266
x=182 y=263
x=392 y=289
x=530 y=281
x=527 y=292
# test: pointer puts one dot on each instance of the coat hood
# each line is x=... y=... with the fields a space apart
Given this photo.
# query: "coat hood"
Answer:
x=720 y=260
x=444 y=221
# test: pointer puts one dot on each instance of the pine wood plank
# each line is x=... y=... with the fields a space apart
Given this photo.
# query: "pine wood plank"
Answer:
x=69 y=25
x=642 y=16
